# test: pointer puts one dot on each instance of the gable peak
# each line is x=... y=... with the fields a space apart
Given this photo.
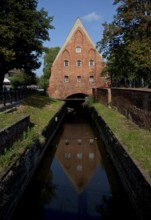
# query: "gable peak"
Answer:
x=78 y=24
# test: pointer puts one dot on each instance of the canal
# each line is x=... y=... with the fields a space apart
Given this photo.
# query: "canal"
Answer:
x=76 y=179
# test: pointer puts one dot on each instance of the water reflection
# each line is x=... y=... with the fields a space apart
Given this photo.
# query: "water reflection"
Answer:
x=78 y=174
x=78 y=161
x=72 y=181
x=79 y=177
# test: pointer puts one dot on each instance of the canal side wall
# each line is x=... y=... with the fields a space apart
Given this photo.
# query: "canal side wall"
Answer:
x=135 y=184
x=10 y=134
x=135 y=104
x=15 y=179
x=103 y=95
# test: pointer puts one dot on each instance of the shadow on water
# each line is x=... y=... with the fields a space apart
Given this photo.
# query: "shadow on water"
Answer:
x=76 y=179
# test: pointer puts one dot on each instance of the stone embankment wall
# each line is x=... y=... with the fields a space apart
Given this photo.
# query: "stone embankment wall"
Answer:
x=15 y=179
x=135 y=104
x=135 y=184
x=10 y=134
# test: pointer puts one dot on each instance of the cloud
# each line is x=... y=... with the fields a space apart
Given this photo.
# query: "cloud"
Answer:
x=92 y=17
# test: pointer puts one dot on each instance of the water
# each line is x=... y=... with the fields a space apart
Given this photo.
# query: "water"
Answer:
x=76 y=180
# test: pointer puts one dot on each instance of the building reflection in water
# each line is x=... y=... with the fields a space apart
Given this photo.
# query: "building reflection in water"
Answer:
x=75 y=181
x=78 y=174
x=79 y=159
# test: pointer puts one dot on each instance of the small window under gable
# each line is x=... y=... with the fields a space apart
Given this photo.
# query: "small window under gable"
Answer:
x=78 y=63
x=78 y=49
x=66 y=79
x=91 y=62
x=66 y=63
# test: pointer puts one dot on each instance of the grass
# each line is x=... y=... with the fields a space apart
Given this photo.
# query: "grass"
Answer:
x=136 y=141
x=6 y=119
x=41 y=109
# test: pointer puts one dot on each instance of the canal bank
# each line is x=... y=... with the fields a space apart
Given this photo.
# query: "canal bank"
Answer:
x=76 y=179
x=122 y=166
x=137 y=187
x=16 y=177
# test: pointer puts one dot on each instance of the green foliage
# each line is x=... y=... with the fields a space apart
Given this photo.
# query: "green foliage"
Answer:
x=126 y=42
x=20 y=78
x=22 y=33
x=43 y=82
x=49 y=57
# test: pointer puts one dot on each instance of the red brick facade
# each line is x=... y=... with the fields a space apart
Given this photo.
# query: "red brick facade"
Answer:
x=77 y=66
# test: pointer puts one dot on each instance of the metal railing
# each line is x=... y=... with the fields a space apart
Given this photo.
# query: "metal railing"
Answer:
x=14 y=95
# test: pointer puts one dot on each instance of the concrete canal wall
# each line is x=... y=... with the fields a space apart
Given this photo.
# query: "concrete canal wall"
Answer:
x=135 y=184
x=12 y=133
x=15 y=179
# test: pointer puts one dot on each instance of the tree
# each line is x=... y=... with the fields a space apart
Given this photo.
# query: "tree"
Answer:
x=49 y=57
x=126 y=42
x=20 y=78
x=22 y=33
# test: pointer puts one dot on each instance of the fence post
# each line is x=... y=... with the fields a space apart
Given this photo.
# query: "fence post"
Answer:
x=4 y=98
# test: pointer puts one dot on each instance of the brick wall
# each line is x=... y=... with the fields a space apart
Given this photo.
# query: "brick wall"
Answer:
x=135 y=104
x=103 y=95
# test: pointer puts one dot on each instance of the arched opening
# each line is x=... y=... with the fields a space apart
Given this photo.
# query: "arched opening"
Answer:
x=76 y=100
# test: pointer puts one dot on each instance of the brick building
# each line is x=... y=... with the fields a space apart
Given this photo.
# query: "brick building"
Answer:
x=77 y=67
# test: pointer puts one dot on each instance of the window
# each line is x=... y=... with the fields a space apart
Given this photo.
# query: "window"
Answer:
x=79 y=167
x=91 y=79
x=78 y=78
x=66 y=63
x=79 y=156
x=66 y=79
x=67 y=155
x=91 y=62
x=78 y=49
x=78 y=63
x=91 y=156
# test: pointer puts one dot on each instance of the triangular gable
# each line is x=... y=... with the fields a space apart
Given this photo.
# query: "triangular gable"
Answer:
x=78 y=24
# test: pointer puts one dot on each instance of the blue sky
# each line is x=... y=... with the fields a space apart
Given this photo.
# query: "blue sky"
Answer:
x=65 y=12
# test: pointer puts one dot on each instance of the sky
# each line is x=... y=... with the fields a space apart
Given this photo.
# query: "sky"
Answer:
x=92 y=13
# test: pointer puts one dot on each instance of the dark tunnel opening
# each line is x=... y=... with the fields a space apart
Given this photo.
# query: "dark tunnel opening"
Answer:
x=76 y=101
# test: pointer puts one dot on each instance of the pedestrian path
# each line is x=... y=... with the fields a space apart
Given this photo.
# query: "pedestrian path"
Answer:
x=8 y=106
